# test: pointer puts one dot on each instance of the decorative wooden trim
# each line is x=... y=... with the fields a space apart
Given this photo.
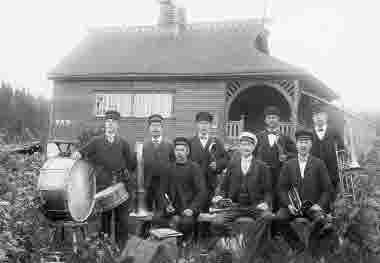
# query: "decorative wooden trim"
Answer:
x=234 y=88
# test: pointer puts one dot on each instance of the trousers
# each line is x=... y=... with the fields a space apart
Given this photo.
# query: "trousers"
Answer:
x=121 y=223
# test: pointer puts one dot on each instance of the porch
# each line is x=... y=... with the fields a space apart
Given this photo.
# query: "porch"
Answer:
x=234 y=128
x=246 y=102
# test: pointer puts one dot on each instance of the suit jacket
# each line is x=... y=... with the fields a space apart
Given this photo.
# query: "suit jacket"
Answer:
x=315 y=186
x=259 y=182
x=185 y=186
x=325 y=150
x=157 y=159
x=270 y=155
x=109 y=157
x=203 y=158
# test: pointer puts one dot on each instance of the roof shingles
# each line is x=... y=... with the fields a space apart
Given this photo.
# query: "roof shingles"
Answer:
x=202 y=49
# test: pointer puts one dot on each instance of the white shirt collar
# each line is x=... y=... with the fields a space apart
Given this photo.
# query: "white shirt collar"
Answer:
x=324 y=127
x=200 y=136
x=249 y=158
x=159 y=139
x=303 y=159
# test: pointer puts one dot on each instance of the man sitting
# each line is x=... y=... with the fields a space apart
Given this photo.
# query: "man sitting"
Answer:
x=247 y=185
x=308 y=176
x=184 y=191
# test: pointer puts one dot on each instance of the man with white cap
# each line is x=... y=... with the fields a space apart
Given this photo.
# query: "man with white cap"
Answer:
x=248 y=184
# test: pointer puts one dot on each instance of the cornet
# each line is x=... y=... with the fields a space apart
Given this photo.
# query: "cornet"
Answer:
x=295 y=199
x=296 y=202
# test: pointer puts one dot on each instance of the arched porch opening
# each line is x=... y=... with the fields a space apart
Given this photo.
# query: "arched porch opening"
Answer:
x=247 y=106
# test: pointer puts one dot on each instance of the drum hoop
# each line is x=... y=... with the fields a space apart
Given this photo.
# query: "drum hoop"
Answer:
x=92 y=201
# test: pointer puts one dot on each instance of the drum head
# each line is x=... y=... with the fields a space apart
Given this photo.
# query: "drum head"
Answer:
x=81 y=189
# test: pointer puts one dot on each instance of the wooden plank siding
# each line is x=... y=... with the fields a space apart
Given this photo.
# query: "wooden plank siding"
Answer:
x=192 y=97
x=75 y=101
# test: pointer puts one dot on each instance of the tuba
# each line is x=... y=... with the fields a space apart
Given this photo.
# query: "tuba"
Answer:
x=347 y=164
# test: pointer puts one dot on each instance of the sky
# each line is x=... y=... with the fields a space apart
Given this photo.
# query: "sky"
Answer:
x=335 y=40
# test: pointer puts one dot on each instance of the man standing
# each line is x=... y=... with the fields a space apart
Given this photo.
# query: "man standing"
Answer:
x=111 y=154
x=326 y=141
x=248 y=184
x=308 y=176
x=158 y=154
x=274 y=148
x=184 y=191
x=209 y=153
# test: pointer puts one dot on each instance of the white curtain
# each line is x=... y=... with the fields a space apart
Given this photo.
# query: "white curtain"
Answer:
x=138 y=105
x=149 y=103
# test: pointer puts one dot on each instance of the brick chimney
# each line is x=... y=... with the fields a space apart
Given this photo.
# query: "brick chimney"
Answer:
x=168 y=14
x=171 y=16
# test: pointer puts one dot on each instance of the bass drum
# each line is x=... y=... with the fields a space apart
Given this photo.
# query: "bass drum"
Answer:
x=67 y=188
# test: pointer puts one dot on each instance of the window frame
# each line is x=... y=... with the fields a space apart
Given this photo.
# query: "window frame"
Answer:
x=132 y=111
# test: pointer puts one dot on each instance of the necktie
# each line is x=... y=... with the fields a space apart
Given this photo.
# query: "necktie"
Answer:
x=110 y=138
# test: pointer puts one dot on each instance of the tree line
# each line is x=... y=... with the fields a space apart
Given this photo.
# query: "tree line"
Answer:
x=22 y=116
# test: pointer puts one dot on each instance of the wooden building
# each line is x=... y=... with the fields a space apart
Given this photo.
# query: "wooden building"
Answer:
x=176 y=69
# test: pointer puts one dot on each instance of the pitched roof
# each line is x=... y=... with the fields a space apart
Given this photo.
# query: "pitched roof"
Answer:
x=202 y=49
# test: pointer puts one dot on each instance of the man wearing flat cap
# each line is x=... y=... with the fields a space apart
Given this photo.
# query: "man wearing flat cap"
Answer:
x=327 y=141
x=274 y=148
x=158 y=154
x=111 y=155
x=247 y=184
x=184 y=191
x=309 y=176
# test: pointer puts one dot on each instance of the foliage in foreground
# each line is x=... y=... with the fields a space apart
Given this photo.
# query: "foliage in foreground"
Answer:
x=23 y=232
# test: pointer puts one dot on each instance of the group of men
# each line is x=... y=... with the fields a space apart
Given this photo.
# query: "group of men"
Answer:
x=184 y=178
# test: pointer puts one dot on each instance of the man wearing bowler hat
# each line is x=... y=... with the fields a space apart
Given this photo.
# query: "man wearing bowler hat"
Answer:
x=327 y=141
x=111 y=155
x=158 y=154
x=274 y=148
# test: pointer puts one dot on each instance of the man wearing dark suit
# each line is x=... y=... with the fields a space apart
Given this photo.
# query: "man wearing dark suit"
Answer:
x=326 y=141
x=158 y=154
x=112 y=154
x=184 y=190
x=209 y=153
x=274 y=148
x=248 y=185
x=309 y=176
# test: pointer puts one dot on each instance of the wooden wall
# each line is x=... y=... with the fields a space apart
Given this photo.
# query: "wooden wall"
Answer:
x=74 y=103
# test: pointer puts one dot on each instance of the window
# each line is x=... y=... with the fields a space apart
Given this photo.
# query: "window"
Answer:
x=135 y=105
x=120 y=102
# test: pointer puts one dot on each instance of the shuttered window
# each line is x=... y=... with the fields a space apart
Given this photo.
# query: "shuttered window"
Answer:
x=135 y=105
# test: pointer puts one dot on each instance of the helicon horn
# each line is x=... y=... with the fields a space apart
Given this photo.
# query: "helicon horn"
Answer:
x=141 y=207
